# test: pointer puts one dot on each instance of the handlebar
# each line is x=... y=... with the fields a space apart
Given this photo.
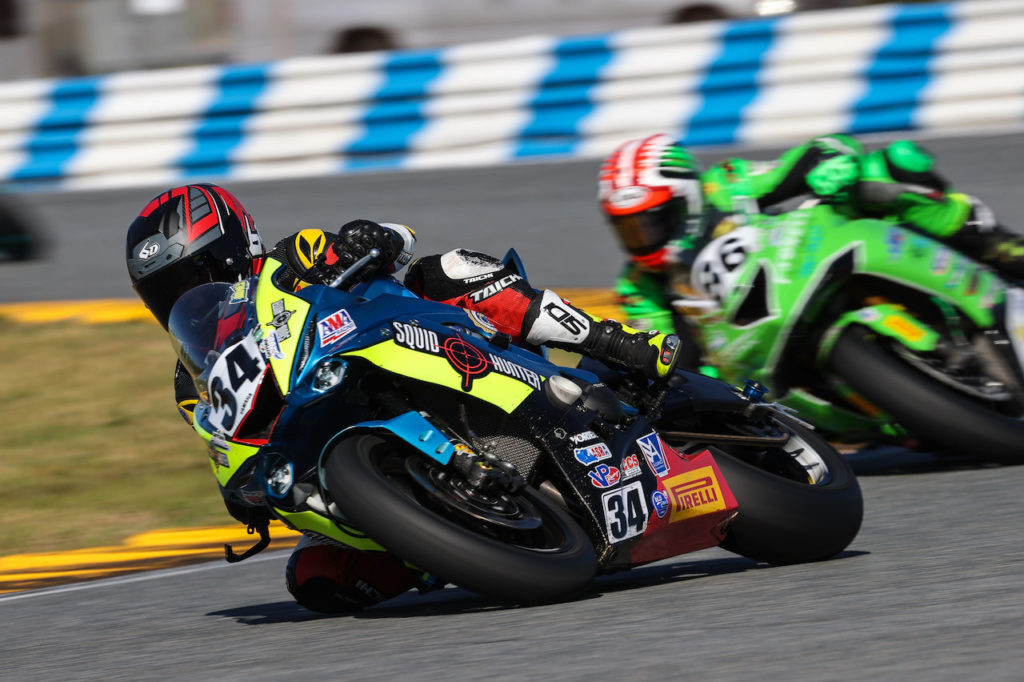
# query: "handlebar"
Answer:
x=354 y=268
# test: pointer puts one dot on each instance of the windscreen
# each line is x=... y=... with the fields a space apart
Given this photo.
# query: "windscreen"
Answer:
x=204 y=320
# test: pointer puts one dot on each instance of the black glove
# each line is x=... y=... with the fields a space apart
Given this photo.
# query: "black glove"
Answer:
x=355 y=240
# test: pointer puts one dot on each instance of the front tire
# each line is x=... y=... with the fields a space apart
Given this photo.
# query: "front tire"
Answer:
x=924 y=406
x=383 y=488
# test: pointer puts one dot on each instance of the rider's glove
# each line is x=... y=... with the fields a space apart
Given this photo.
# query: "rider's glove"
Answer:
x=833 y=177
x=980 y=218
x=355 y=240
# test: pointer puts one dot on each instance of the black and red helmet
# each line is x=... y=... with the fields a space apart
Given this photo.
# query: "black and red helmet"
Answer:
x=188 y=236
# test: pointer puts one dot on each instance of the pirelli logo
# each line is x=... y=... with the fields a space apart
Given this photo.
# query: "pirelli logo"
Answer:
x=694 y=493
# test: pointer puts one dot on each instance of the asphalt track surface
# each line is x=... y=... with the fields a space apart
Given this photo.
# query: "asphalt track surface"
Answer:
x=932 y=588
x=548 y=212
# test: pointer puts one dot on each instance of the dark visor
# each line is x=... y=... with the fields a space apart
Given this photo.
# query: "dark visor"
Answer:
x=646 y=232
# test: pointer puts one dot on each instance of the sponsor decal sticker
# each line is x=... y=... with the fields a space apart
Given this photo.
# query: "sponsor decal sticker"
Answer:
x=482 y=321
x=918 y=246
x=335 y=327
x=812 y=251
x=630 y=466
x=904 y=327
x=239 y=291
x=604 y=476
x=280 y=321
x=660 y=503
x=254 y=496
x=894 y=243
x=592 y=454
x=869 y=315
x=694 y=493
x=582 y=437
x=654 y=453
x=960 y=269
x=219 y=457
x=941 y=260
x=972 y=282
x=271 y=347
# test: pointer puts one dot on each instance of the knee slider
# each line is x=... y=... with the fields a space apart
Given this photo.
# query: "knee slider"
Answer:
x=335 y=579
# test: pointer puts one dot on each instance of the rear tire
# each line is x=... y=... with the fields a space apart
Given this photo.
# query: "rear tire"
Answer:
x=923 y=405
x=783 y=520
x=553 y=563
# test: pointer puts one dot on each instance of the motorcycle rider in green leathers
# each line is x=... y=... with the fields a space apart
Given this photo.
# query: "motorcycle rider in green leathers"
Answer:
x=664 y=208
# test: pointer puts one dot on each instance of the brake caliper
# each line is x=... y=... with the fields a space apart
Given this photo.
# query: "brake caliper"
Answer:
x=485 y=471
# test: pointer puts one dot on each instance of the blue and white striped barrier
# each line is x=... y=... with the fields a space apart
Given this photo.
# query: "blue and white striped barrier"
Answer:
x=881 y=68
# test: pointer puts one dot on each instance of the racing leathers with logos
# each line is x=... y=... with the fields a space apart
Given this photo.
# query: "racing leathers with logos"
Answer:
x=681 y=208
x=325 y=576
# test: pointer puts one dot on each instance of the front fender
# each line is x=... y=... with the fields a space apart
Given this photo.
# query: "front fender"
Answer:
x=412 y=427
x=885 y=319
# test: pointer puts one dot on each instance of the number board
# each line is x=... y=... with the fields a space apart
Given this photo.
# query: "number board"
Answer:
x=234 y=380
x=625 y=511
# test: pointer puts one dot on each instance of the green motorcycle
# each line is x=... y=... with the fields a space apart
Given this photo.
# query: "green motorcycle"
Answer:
x=874 y=332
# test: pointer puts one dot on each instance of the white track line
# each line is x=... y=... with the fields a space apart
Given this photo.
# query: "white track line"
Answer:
x=134 y=578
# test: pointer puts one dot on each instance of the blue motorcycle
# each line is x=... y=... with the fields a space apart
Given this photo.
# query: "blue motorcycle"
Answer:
x=380 y=420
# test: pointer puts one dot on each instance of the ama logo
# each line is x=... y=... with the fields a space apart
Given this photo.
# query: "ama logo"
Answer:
x=335 y=326
x=651 y=446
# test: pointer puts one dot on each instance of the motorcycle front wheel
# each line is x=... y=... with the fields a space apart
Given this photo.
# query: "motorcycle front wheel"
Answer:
x=931 y=409
x=515 y=548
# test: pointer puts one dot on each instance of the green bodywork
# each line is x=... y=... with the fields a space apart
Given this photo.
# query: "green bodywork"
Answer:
x=793 y=264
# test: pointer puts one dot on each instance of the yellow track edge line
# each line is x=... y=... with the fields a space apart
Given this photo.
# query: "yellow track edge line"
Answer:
x=143 y=552
x=169 y=548
x=600 y=302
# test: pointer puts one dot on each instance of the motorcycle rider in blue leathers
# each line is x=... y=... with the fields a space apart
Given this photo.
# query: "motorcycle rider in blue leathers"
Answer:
x=201 y=233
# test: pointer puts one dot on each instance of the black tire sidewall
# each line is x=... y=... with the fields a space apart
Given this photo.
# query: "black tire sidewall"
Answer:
x=475 y=562
x=785 y=522
x=924 y=406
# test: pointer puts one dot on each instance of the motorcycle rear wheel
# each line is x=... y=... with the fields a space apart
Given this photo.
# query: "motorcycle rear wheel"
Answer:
x=798 y=502
x=923 y=405
x=520 y=548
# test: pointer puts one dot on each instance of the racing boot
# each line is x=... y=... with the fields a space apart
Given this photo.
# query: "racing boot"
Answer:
x=652 y=353
x=554 y=322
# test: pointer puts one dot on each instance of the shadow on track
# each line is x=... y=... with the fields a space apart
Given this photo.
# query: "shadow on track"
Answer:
x=887 y=460
x=661 y=574
x=454 y=601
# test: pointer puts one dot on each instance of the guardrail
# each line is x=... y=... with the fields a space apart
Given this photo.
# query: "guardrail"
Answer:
x=880 y=68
